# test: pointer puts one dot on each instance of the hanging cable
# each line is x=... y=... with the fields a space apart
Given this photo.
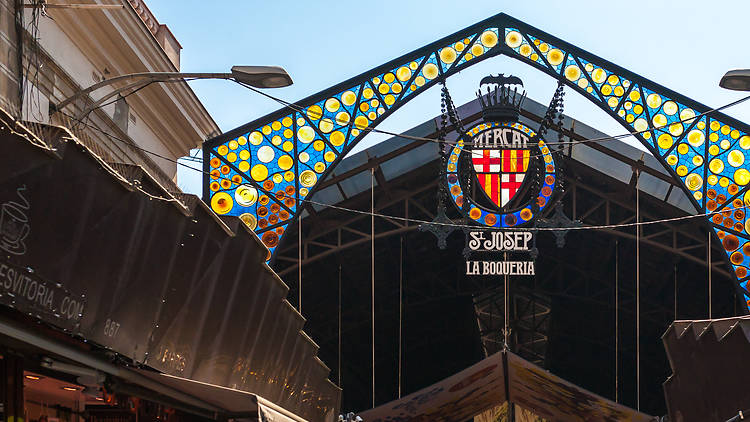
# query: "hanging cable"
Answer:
x=617 y=321
x=400 y=309
x=372 y=273
x=675 y=291
x=340 y=304
x=299 y=263
x=709 y=275
x=506 y=297
x=638 y=289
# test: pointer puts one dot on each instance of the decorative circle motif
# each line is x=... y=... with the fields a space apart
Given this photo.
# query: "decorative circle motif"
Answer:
x=489 y=39
x=430 y=71
x=221 y=203
x=246 y=195
x=250 y=221
x=265 y=154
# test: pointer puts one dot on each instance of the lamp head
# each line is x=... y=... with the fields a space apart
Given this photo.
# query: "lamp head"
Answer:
x=262 y=76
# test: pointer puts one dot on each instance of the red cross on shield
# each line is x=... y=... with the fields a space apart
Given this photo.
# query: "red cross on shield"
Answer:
x=500 y=172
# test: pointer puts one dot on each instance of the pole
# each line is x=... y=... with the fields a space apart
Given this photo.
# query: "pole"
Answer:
x=372 y=273
x=638 y=290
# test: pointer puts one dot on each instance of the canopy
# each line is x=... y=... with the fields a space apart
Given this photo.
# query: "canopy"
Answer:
x=496 y=379
x=709 y=369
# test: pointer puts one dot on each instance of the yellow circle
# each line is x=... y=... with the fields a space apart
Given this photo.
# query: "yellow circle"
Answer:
x=285 y=162
x=326 y=125
x=653 y=100
x=233 y=144
x=681 y=170
x=265 y=154
x=659 y=121
x=266 y=130
x=698 y=195
x=372 y=115
x=544 y=47
x=724 y=182
x=735 y=158
x=337 y=138
x=725 y=130
x=697 y=160
x=403 y=74
x=672 y=159
x=342 y=118
x=288 y=133
x=715 y=125
x=244 y=166
x=396 y=88
x=638 y=109
x=712 y=179
x=669 y=108
x=746 y=199
x=713 y=150
x=289 y=176
x=448 y=55
x=308 y=178
x=250 y=221
x=477 y=50
x=314 y=112
x=367 y=93
x=319 y=167
x=745 y=142
x=329 y=156
x=693 y=182
x=489 y=39
x=287 y=146
x=619 y=91
x=277 y=178
x=276 y=140
x=725 y=144
x=276 y=125
x=221 y=203
x=742 y=177
x=640 y=124
x=696 y=138
x=612 y=102
x=606 y=89
x=286 y=121
x=384 y=88
x=525 y=50
x=361 y=122
x=583 y=83
x=683 y=149
x=244 y=154
x=319 y=145
x=259 y=172
x=389 y=99
x=332 y=105
x=734 y=134
x=246 y=195
x=687 y=115
x=305 y=134
x=389 y=77
x=555 y=57
x=599 y=75
x=572 y=72
x=716 y=165
x=634 y=95
x=348 y=98
x=222 y=150
x=676 y=129
x=242 y=140
x=664 y=141
x=713 y=137
x=613 y=79
x=430 y=71
x=304 y=157
x=513 y=39
x=231 y=157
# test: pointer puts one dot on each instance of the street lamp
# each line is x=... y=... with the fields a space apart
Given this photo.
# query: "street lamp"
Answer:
x=256 y=76
x=737 y=80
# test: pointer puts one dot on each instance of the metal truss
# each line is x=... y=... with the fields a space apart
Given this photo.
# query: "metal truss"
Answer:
x=284 y=155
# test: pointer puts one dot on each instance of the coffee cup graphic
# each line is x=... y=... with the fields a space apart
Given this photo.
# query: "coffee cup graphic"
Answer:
x=14 y=227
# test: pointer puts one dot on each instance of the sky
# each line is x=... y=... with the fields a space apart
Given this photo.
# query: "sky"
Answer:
x=684 y=45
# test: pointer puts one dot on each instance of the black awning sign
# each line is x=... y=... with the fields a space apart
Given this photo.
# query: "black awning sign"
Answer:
x=27 y=292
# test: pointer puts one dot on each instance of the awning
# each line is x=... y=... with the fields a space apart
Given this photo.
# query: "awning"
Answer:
x=102 y=251
x=232 y=403
x=710 y=370
x=499 y=378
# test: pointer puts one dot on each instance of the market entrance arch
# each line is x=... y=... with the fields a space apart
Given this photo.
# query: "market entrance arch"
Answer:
x=262 y=170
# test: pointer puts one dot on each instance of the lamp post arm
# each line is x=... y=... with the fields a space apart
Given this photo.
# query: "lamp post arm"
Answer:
x=156 y=76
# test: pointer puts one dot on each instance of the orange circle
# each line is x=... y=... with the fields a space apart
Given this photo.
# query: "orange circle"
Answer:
x=733 y=189
x=262 y=223
x=270 y=239
x=711 y=194
x=224 y=169
x=262 y=211
x=739 y=227
x=215 y=162
x=717 y=219
x=475 y=213
x=741 y=273
x=214 y=186
x=541 y=201
x=455 y=189
x=526 y=214
x=289 y=190
x=279 y=230
x=737 y=258
x=289 y=202
x=730 y=242
x=490 y=219
x=460 y=200
x=275 y=208
x=273 y=218
x=268 y=184
x=263 y=200
x=226 y=183
x=511 y=219
x=711 y=205
x=550 y=179
x=720 y=234
x=721 y=198
x=284 y=215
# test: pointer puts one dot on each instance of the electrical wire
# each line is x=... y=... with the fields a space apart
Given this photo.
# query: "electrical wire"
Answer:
x=413 y=220
x=316 y=115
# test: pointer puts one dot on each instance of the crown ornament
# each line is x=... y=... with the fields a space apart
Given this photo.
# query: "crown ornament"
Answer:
x=501 y=103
